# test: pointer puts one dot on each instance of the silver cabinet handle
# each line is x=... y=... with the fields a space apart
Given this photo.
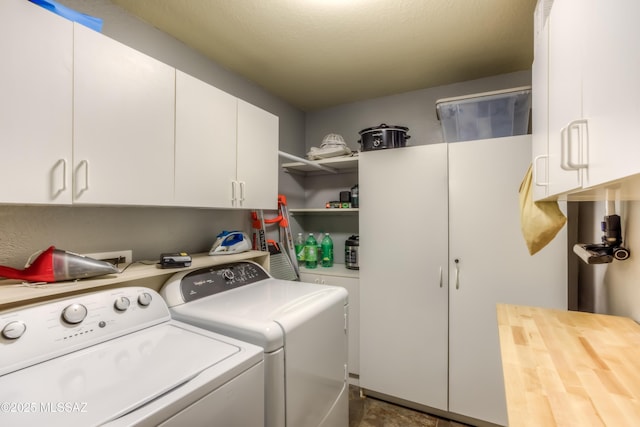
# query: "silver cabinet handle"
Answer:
x=440 y=276
x=457 y=261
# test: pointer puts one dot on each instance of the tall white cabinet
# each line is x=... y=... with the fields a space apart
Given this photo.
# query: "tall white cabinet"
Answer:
x=36 y=104
x=430 y=281
x=403 y=273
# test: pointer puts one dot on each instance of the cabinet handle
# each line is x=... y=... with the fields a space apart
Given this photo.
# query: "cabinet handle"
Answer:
x=86 y=176
x=57 y=191
x=64 y=175
x=563 y=150
x=242 y=185
x=535 y=170
x=440 y=276
x=567 y=143
x=233 y=193
x=457 y=261
x=583 y=137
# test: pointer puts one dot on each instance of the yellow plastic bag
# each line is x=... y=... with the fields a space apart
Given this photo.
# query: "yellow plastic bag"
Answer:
x=540 y=221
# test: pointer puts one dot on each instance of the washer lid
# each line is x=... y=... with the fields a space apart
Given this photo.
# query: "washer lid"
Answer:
x=103 y=382
x=252 y=313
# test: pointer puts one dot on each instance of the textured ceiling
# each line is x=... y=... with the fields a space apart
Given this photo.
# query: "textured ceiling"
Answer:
x=320 y=53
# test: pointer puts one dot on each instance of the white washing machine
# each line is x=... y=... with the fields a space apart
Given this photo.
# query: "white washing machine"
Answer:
x=116 y=358
x=302 y=328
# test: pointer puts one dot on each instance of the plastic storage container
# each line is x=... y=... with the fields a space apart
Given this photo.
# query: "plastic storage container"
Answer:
x=485 y=115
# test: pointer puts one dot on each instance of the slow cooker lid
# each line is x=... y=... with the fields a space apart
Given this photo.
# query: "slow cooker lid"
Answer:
x=384 y=127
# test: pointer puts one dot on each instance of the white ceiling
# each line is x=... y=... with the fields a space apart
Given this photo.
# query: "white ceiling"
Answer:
x=319 y=53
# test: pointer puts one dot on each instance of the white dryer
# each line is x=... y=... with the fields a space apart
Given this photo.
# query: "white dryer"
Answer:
x=302 y=328
x=116 y=358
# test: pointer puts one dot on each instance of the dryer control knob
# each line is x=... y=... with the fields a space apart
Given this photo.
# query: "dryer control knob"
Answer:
x=74 y=313
x=228 y=275
x=14 y=330
x=122 y=303
x=144 y=299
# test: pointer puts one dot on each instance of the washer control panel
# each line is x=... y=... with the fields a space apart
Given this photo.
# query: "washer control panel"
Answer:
x=212 y=280
x=40 y=332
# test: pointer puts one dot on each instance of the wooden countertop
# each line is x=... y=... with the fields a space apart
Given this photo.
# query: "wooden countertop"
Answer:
x=567 y=368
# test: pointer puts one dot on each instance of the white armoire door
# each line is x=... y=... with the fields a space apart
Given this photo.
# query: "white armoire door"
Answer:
x=489 y=264
x=403 y=273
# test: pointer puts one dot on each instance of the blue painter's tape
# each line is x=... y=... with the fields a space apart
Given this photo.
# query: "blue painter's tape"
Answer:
x=72 y=15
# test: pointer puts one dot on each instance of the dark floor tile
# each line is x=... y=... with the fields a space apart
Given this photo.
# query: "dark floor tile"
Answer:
x=370 y=412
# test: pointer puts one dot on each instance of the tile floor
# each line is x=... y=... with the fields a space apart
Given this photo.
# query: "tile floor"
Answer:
x=370 y=412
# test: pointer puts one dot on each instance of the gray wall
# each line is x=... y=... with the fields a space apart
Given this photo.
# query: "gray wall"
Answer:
x=415 y=110
x=611 y=288
x=148 y=231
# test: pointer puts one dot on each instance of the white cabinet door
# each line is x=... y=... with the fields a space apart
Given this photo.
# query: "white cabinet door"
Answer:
x=403 y=273
x=35 y=104
x=566 y=41
x=489 y=264
x=205 y=144
x=611 y=89
x=256 y=184
x=124 y=105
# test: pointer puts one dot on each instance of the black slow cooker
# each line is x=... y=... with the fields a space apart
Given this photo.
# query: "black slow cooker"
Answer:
x=383 y=136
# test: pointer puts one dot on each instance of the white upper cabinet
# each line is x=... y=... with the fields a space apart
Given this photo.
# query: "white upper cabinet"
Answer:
x=226 y=149
x=205 y=144
x=593 y=90
x=565 y=95
x=256 y=185
x=85 y=119
x=540 y=112
x=123 y=124
x=35 y=104
x=611 y=95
